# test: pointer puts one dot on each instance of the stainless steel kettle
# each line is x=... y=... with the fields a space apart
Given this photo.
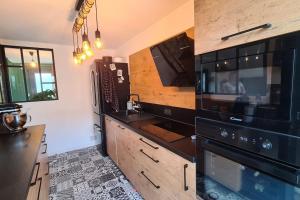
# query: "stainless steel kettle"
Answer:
x=15 y=121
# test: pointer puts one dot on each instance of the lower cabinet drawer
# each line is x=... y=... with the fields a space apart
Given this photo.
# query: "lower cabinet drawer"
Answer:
x=34 y=190
x=39 y=188
x=156 y=173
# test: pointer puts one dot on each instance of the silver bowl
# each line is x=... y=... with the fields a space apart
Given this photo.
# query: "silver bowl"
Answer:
x=15 y=121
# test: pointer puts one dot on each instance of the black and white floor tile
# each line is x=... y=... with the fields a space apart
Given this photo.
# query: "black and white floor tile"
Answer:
x=86 y=175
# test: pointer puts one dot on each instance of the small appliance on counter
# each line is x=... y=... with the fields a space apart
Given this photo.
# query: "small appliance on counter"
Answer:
x=12 y=120
x=132 y=105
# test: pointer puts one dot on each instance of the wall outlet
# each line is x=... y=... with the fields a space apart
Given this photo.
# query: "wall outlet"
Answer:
x=168 y=112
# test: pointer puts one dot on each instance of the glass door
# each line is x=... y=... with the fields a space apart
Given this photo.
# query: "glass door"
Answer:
x=223 y=179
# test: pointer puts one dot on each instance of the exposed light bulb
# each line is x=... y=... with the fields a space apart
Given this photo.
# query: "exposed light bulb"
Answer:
x=85 y=42
x=75 y=59
x=78 y=55
x=83 y=56
x=32 y=64
x=98 y=41
x=89 y=52
x=85 y=45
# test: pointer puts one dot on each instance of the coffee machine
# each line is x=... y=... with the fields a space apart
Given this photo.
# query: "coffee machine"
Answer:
x=12 y=120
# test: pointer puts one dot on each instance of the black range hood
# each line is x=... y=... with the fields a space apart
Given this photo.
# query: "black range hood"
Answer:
x=175 y=61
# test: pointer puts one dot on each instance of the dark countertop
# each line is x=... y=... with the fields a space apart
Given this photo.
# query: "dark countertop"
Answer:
x=185 y=147
x=18 y=154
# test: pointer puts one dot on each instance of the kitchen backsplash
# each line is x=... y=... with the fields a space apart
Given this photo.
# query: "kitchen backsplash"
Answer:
x=145 y=81
x=175 y=113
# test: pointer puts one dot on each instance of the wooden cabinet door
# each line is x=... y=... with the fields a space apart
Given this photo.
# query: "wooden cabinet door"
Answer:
x=111 y=139
x=162 y=167
x=126 y=157
x=219 y=18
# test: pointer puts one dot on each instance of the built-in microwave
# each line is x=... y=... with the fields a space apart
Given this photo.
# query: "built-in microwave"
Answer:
x=255 y=84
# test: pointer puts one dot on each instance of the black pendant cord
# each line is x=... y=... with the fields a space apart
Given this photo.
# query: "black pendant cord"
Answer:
x=77 y=39
x=83 y=27
x=86 y=24
x=96 y=14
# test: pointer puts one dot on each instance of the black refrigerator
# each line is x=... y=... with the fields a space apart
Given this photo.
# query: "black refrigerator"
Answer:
x=120 y=78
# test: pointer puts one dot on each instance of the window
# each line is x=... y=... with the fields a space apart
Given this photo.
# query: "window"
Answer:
x=30 y=73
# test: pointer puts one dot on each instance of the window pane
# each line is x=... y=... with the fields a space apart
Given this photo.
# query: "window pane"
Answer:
x=13 y=56
x=30 y=58
x=46 y=62
x=50 y=90
x=33 y=79
x=17 y=85
x=48 y=93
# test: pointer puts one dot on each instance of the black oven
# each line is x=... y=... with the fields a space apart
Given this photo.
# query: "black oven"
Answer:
x=255 y=84
x=238 y=163
x=248 y=121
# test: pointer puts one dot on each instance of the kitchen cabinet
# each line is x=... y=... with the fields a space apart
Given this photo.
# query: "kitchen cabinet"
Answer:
x=216 y=19
x=154 y=171
x=111 y=128
x=39 y=187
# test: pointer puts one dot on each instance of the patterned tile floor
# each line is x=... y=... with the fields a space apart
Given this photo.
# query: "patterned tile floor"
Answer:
x=86 y=175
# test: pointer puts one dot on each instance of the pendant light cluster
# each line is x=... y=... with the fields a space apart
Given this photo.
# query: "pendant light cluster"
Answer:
x=85 y=51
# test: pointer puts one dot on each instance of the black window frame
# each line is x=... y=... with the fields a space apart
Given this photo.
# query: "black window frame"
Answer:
x=7 y=93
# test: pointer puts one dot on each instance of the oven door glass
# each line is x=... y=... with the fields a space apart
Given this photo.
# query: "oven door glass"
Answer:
x=224 y=179
x=255 y=83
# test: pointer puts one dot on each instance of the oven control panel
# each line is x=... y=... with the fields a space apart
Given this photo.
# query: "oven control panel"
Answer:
x=266 y=143
x=243 y=139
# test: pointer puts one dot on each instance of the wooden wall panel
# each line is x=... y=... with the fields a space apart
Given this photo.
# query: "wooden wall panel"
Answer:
x=219 y=18
x=145 y=81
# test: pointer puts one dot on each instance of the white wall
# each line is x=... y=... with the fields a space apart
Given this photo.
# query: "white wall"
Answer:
x=69 y=119
x=176 y=22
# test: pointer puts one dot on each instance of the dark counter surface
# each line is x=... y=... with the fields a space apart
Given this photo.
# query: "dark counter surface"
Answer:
x=18 y=154
x=184 y=147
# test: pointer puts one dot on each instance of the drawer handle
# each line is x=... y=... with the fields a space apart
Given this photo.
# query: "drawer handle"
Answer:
x=141 y=150
x=182 y=48
x=44 y=138
x=156 y=186
x=268 y=25
x=186 y=188
x=47 y=173
x=37 y=172
x=46 y=146
x=121 y=127
x=40 y=186
x=148 y=144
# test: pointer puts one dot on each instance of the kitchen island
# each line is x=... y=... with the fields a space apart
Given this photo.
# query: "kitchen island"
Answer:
x=18 y=163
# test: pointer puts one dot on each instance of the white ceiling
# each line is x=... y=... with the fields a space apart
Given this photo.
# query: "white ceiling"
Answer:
x=51 y=20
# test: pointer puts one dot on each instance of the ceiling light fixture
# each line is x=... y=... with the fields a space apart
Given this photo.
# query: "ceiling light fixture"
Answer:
x=81 y=27
x=98 y=41
x=32 y=63
x=85 y=38
x=88 y=50
x=83 y=55
x=82 y=14
x=75 y=58
x=78 y=51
